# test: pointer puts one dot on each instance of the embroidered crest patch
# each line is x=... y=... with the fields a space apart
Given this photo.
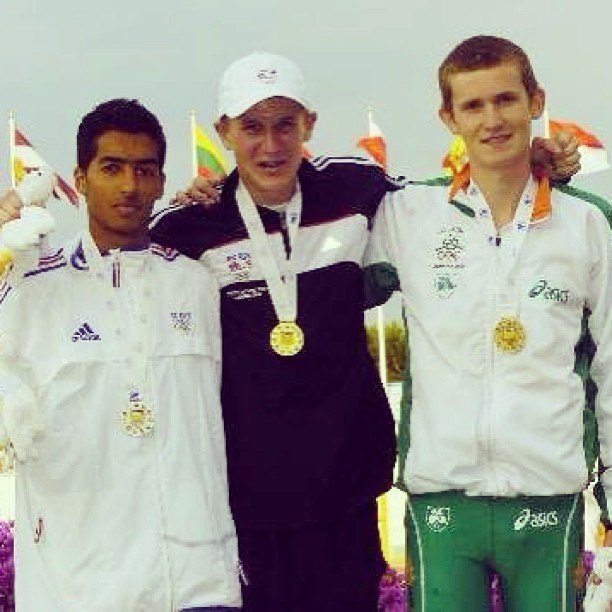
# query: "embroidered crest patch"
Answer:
x=438 y=518
x=182 y=322
x=240 y=264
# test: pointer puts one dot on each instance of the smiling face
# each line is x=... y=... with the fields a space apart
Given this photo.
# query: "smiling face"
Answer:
x=491 y=109
x=121 y=184
x=267 y=141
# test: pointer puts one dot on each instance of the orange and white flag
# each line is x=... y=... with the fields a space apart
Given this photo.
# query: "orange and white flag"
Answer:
x=374 y=143
x=593 y=156
x=25 y=158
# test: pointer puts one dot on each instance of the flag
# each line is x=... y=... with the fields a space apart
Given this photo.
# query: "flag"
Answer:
x=207 y=159
x=374 y=143
x=456 y=156
x=593 y=157
x=25 y=158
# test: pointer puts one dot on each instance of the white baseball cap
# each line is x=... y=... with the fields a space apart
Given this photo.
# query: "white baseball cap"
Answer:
x=257 y=77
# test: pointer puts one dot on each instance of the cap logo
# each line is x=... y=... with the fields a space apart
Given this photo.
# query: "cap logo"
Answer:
x=267 y=75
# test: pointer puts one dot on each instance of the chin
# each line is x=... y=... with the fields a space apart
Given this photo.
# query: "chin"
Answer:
x=503 y=160
x=279 y=183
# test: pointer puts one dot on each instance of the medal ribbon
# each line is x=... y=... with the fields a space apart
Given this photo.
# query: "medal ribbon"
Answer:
x=513 y=241
x=130 y=331
x=282 y=283
x=533 y=205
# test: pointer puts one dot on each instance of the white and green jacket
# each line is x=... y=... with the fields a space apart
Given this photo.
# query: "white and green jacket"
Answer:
x=481 y=420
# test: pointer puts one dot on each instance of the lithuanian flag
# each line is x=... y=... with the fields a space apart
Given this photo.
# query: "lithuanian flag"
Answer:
x=207 y=159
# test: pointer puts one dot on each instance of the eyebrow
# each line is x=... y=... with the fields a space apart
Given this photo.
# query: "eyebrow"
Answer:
x=125 y=160
x=285 y=117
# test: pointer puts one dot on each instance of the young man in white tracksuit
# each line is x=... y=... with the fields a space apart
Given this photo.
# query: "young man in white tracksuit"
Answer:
x=122 y=500
x=497 y=272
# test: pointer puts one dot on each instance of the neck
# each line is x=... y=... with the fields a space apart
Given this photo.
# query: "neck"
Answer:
x=132 y=241
x=502 y=190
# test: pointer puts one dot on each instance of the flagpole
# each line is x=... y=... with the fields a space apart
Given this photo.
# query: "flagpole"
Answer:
x=370 y=120
x=383 y=526
x=380 y=315
x=546 y=120
x=12 y=149
x=194 y=151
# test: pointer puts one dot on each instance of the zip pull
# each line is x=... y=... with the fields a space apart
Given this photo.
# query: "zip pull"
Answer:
x=39 y=530
x=116 y=268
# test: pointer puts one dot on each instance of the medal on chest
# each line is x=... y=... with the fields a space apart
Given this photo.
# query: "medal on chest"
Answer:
x=127 y=293
x=509 y=334
x=137 y=418
x=287 y=338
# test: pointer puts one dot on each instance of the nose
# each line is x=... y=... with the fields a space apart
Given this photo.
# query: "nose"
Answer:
x=129 y=180
x=271 y=141
x=492 y=116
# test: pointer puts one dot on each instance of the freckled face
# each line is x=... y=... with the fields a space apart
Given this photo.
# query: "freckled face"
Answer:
x=492 y=111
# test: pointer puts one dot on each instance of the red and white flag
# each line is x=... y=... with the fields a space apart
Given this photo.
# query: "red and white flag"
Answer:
x=25 y=158
x=593 y=156
x=374 y=143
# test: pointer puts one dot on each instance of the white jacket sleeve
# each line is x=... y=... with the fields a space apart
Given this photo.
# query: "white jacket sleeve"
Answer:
x=20 y=418
x=381 y=243
x=600 y=326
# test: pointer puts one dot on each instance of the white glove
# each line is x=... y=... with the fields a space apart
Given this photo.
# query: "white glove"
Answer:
x=25 y=232
x=20 y=421
x=598 y=597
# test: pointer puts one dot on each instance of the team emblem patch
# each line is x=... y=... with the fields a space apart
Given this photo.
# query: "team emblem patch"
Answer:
x=445 y=285
x=451 y=247
x=448 y=260
x=438 y=518
x=240 y=264
x=182 y=322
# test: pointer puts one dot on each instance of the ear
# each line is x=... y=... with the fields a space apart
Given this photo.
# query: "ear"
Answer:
x=310 y=118
x=448 y=119
x=80 y=181
x=537 y=103
x=160 y=189
x=223 y=130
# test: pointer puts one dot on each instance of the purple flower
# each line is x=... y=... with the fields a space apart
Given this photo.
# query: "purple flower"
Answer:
x=392 y=594
x=7 y=568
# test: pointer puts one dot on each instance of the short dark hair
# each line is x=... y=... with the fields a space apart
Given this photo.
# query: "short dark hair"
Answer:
x=122 y=115
x=483 y=52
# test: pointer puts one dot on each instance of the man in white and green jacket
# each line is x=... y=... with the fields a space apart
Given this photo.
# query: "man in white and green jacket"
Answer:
x=497 y=272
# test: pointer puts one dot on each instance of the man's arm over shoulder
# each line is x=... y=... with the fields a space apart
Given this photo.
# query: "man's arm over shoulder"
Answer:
x=179 y=227
x=381 y=257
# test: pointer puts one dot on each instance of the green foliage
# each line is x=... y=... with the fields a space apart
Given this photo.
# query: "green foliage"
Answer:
x=395 y=345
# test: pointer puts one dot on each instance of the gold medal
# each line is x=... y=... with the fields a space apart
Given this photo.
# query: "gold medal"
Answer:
x=137 y=420
x=509 y=335
x=287 y=338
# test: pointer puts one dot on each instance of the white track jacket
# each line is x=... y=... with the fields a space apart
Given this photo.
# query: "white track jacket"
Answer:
x=106 y=520
x=485 y=421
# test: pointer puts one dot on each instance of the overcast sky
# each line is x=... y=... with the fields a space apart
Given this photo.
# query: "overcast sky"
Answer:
x=61 y=57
